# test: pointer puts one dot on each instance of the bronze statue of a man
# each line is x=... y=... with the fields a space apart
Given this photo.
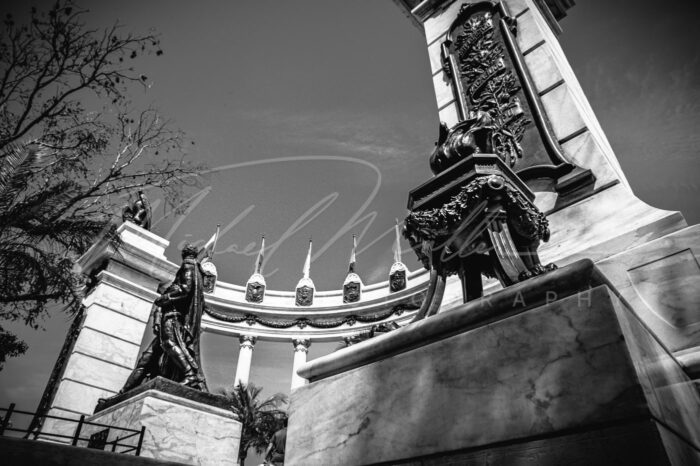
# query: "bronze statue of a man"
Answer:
x=177 y=313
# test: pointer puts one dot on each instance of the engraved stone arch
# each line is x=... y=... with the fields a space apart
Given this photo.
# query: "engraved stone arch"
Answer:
x=491 y=82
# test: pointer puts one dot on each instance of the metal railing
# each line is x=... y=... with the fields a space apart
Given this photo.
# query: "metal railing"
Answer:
x=97 y=440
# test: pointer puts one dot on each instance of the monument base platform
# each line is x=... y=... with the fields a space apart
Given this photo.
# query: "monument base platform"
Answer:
x=182 y=424
x=555 y=370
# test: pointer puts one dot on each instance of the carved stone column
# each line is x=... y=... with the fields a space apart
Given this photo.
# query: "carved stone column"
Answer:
x=245 y=358
x=103 y=347
x=301 y=348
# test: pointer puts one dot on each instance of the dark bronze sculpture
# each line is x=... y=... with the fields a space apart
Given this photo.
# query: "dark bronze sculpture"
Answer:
x=498 y=106
x=139 y=212
x=352 y=289
x=352 y=286
x=255 y=290
x=177 y=313
x=374 y=331
x=477 y=215
x=255 y=287
x=304 y=293
x=210 y=274
x=397 y=277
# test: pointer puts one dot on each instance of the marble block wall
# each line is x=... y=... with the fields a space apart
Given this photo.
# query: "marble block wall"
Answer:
x=575 y=126
x=548 y=379
x=612 y=216
x=611 y=226
x=661 y=281
x=116 y=315
x=177 y=429
x=611 y=219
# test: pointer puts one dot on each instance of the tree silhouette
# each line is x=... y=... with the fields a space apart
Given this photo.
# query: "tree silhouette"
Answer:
x=73 y=146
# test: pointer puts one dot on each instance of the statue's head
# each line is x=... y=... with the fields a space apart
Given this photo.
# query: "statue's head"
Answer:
x=189 y=251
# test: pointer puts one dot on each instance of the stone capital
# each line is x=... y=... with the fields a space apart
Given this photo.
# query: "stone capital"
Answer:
x=301 y=344
x=247 y=341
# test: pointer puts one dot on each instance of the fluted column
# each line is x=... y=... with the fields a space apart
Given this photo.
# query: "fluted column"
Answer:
x=245 y=358
x=301 y=347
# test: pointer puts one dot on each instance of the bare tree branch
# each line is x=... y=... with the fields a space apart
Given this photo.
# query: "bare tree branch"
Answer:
x=83 y=161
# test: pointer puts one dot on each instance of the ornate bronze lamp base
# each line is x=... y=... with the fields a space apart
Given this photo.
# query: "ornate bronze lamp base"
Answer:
x=477 y=217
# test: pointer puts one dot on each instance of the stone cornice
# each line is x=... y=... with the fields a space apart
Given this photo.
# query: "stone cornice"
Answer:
x=419 y=10
x=139 y=249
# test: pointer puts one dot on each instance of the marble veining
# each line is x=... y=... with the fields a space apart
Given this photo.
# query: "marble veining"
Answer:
x=672 y=397
x=177 y=429
x=660 y=281
x=556 y=367
x=678 y=272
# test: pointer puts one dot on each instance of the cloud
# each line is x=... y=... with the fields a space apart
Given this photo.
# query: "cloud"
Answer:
x=375 y=138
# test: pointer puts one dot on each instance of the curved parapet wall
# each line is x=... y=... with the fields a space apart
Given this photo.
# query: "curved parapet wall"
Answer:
x=328 y=318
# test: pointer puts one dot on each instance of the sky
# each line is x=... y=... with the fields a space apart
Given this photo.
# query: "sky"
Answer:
x=317 y=117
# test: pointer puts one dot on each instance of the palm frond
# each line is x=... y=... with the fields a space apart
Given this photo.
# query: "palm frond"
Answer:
x=18 y=162
x=259 y=418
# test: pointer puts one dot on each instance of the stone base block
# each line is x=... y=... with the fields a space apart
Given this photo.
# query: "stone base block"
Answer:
x=180 y=429
x=554 y=370
x=636 y=443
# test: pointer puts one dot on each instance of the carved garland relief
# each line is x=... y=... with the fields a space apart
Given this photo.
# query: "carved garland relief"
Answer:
x=495 y=93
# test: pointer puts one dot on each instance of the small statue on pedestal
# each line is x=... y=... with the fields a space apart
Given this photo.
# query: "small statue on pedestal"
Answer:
x=177 y=313
x=139 y=212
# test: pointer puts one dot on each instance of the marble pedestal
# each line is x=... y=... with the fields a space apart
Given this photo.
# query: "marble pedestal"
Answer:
x=555 y=370
x=182 y=424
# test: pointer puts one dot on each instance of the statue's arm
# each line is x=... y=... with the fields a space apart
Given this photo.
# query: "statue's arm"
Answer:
x=157 y=314
x=182 y=290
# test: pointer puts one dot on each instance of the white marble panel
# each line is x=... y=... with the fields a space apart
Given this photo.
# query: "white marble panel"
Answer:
x=121 y=301
x=670 y=287
x=567 y=72
x=142 y=285
x=542 y=68
x=178 y=429
x=59 y=426
x=143 y=239
x=95 y=372
x=443 y=89
x=106 y=347
x=585 y=152
x=556 y=367
x=515 y=7
x=672 y=397
x=528 y=33
x=440 y=21
x=562 y=112
x=435 y=55
x=659 y=279
x=78 y=397
x=449 y=115
x=605 y=224
x=114 y=323
x=128 y=416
